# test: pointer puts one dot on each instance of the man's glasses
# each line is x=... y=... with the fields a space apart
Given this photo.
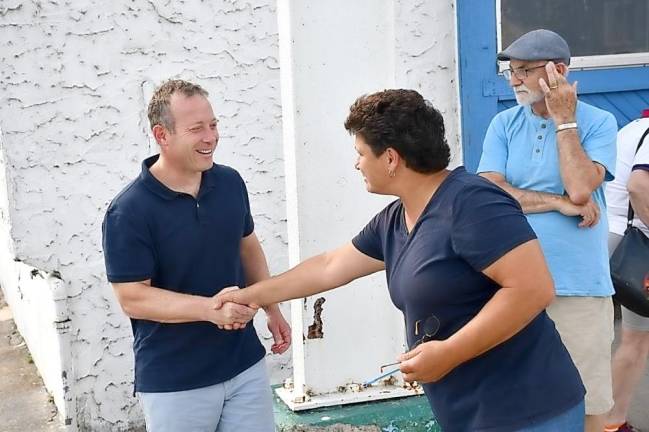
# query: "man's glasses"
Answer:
x=520 y=73
x=425 y=329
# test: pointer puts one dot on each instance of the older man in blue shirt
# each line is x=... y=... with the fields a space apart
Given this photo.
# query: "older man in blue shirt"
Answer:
x=553 y=153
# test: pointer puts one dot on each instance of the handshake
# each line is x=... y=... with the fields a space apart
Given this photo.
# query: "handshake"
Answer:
x=232 y=308
x=228 y=311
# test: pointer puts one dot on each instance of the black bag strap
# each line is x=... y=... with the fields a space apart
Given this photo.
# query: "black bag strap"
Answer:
x=630 y=214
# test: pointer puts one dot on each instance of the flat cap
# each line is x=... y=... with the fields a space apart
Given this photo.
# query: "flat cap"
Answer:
x=538 y=44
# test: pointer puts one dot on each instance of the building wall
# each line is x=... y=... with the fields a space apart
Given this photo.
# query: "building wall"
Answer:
x=39 y=300
x=75 y=78
x=426 y=59
x=369 y=46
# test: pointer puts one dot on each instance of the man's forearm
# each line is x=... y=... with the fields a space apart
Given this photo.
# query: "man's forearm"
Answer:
x=142 y=301
x=272 y=309
x=530 y=201
x=579 y=174
x=535 y=202
x=541 y=202
x=257 y=272
x=256 y=267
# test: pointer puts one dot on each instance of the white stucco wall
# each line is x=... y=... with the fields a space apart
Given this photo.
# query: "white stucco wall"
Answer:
x=333 y=56
x=39 y=299
x=75 y=78
x=426 y=59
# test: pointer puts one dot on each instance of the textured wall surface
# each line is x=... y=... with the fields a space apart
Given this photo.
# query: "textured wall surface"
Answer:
x=40 y=301
x=360 y=327
x=426 y=60
x=75 y=79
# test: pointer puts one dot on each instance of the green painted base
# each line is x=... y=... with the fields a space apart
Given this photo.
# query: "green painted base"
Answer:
x=410 y=414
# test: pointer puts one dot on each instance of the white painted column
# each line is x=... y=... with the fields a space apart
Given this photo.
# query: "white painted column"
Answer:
x=38 y=299
x=330 y=53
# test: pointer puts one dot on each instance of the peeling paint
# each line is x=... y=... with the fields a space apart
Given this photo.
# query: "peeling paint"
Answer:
x=315 y=329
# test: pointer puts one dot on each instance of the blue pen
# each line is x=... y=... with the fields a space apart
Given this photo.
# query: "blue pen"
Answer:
x=372 y=381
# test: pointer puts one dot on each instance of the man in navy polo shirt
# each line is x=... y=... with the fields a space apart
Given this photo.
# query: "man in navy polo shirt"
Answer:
x=174 y=238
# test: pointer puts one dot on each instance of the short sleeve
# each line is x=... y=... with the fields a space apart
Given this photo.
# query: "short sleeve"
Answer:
x=128 y=249
x=487 y=223
x=600 y=144
x=248 y=223
x=369 y=240
x=494 y=148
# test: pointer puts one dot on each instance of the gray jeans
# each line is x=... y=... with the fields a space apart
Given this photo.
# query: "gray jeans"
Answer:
x=243 y=403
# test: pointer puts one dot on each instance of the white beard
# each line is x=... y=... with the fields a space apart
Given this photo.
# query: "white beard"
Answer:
x=527 y=96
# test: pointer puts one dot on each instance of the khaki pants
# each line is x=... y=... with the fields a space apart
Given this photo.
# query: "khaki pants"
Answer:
x=586 y=328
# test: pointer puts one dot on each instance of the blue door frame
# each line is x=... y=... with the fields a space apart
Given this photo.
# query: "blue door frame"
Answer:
x=483 y=93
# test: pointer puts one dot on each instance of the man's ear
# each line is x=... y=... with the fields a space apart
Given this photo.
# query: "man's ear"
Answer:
x=161 y=134
x=563 y=69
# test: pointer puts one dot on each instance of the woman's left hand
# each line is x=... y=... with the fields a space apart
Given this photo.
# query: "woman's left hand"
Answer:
x=428 y=362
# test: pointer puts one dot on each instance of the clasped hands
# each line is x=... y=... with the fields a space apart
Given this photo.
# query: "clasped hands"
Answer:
x=228 y=314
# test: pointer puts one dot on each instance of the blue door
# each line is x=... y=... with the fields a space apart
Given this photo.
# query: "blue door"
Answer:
x=622 y=89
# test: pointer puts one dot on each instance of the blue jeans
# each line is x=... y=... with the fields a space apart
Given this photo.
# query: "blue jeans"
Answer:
x=243 y=403
x=571 y=420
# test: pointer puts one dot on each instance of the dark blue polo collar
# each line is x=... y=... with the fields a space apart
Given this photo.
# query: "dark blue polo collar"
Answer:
x=208 y=181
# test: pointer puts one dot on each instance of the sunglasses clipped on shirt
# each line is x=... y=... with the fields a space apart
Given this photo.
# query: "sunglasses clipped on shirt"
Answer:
x=426 y=330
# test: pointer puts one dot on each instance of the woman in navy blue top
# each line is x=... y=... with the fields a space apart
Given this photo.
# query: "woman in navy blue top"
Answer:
x=463 y=266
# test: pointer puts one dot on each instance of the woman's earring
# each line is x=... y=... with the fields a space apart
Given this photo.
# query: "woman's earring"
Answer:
x=391 y=173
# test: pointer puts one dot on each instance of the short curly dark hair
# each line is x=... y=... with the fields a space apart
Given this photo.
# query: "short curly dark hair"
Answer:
x=404 y=120
x=159 y=112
